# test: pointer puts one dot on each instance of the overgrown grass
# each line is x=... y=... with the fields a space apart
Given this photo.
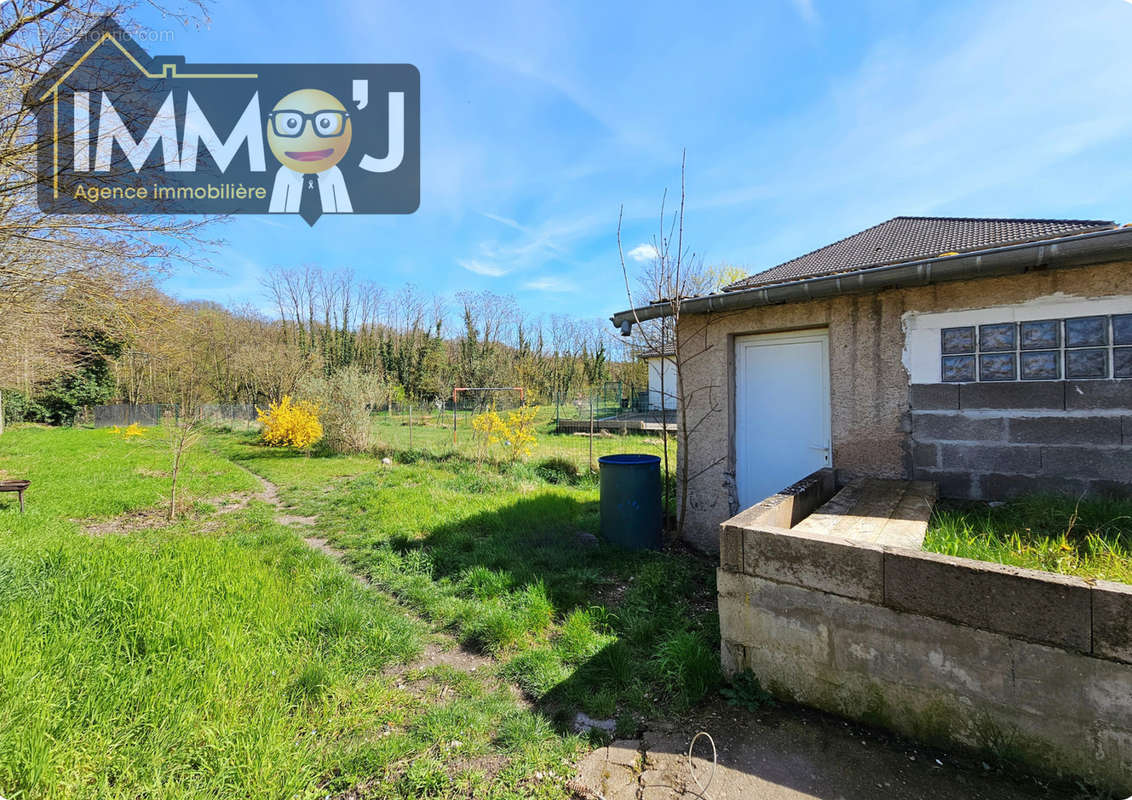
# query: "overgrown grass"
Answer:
x=221 y=657
x=83 y=473
x=1090 y=538
x=496 y=553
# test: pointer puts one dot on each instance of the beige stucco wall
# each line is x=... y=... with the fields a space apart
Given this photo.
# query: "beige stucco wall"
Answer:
x=868 y=381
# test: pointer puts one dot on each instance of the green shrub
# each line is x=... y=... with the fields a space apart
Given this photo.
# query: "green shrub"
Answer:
x=557 y=470
x=746 y=692
x=344 y=400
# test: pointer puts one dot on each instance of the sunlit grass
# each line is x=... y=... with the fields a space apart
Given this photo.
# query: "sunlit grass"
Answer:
x=1089 y=538
x=494 y=552
x=221 y=657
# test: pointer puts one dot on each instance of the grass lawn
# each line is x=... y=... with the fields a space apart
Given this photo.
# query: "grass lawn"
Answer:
x=1090 y=538
x=220 y=657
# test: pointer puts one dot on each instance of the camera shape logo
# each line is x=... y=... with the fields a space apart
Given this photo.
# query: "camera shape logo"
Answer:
x=121 y=132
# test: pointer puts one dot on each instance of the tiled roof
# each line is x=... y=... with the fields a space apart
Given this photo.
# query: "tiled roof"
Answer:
x=912 y=238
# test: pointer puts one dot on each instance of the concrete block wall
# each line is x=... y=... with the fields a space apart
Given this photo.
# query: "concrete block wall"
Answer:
x=996 y=440
x=1030 y=666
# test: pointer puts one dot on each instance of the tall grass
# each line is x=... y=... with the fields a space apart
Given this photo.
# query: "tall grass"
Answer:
x=1090 y=537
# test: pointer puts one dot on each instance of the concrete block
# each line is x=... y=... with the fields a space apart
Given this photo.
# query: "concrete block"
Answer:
x=1038 y=606
x=761 y=614
x=957 y=428
x=731 y=548
x=1106 y=463
x=999 y=486
x=1065 y=430
x=1112 y=620
x=990 y=458
x=1027 y=394
x=925 y=455
x=826 y=563
x=934 y=396
x=1098 y=395
x=958 y=483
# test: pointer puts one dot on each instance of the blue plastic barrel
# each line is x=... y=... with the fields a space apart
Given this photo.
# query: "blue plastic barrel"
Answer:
x=630 y=500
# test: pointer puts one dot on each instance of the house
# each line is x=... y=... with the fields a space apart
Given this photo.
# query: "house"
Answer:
x=993 y=356
x=662 y=379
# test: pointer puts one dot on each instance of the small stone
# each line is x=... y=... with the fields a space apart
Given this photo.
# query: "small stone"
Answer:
x=586 y=539
x=387 y=461
x=584 y=723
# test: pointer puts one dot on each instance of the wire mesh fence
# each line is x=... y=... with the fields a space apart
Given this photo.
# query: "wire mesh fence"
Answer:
x=149 y=414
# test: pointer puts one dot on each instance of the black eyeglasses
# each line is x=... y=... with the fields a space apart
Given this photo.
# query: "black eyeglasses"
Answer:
x=292 y=123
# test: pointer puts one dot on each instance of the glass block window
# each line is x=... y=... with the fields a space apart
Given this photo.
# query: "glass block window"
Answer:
x=1040 y=365
x=1122 y=362
x=1122 y=329
x=1041 y=335
x=996 y=338
x=958 y=368
x=959 y=340
x=1086 y=332
x=1081 y=348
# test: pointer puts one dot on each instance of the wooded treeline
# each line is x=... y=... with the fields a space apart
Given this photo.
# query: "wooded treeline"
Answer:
x=416 y=346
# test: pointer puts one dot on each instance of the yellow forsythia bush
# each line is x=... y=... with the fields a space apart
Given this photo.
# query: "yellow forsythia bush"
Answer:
x=290 y=424
x=129 y=432
x=516 y=432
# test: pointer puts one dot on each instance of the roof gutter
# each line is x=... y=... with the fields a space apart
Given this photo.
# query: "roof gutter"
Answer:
x=1070 y=251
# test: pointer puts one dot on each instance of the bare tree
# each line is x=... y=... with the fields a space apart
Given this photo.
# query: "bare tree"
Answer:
x=674 y=274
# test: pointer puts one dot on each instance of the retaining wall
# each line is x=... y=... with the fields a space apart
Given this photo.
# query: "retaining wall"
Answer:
x=1029 y=666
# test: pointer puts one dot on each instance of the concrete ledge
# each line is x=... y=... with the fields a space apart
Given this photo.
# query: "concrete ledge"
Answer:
x=1112 y=620
x=826 y=563
x=1040 y=607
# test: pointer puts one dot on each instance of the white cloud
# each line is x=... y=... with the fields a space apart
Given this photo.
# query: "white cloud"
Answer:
x=480 y=268
x=642 y=253
x=549 y=284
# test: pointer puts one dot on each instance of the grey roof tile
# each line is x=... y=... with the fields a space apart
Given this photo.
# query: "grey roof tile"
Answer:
x=913 y=238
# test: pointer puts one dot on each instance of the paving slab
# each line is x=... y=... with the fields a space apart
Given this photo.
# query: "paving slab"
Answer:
x=883 y=512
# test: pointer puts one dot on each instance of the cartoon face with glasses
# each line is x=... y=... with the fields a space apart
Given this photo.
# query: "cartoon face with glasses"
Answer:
x=309 y=132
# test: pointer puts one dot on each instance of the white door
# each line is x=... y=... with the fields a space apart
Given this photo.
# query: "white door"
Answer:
x=782 y=411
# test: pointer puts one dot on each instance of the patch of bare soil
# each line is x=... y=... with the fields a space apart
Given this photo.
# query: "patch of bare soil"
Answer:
x=145 y=519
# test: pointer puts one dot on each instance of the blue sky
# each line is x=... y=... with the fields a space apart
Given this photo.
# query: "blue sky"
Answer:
x=804 y=121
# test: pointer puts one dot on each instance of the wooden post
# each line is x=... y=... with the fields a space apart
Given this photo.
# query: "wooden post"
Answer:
x=410 y=425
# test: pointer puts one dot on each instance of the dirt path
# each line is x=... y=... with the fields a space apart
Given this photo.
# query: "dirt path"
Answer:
x=443 y=650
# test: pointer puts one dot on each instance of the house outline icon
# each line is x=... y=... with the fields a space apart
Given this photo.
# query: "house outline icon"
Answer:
x=108 y=30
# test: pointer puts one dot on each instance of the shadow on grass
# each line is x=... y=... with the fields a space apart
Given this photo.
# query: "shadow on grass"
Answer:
x=578 y=624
